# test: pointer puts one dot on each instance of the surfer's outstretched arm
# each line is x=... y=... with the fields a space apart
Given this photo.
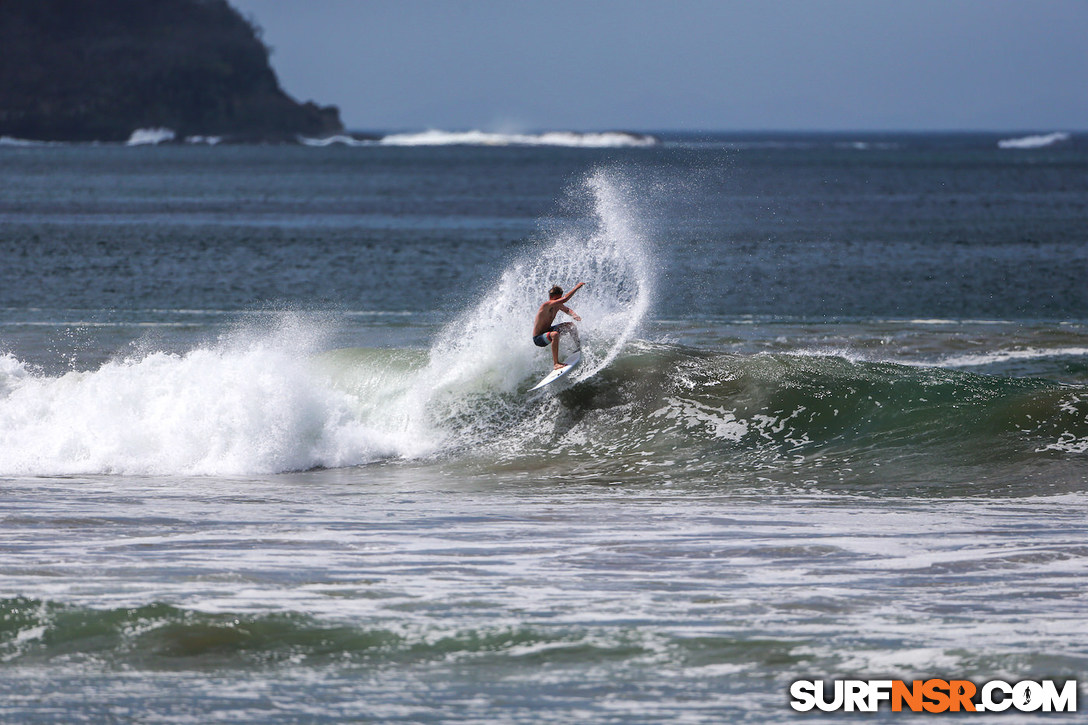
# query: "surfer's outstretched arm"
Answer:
x=567 y=296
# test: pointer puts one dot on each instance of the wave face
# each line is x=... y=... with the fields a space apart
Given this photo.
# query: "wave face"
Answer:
x=163 y=636
x=263 y=400
x=1033 y=142
x=664 y=411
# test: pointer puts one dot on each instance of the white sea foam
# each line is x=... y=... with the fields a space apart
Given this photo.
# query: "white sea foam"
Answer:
x=609 y=139
x=339 y=140
x=940 y=321
x=254 y=402
x=150 y=136
x=976 y=359
x=1033 y=142
x=1000 y=356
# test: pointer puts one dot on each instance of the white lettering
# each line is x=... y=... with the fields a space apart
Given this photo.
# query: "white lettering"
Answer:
x=821 y=700
x=879 y=690
x=991 y=705
x=804 y=695
x=856 y=696
x=1027 y=696
x=993 y=696
x=1065 y=701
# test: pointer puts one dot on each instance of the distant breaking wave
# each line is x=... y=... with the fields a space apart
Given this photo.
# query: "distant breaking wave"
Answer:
x=1033 y=142
x=570 y=139
x=150 y=137
x=22 y=142
x=156 y=136
x=339 y=140
x=552 y=138
x=1000 y=356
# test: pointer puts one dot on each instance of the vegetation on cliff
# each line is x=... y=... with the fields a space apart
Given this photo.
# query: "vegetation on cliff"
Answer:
x=83 y=70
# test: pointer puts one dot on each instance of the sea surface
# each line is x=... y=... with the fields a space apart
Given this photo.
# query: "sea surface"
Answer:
x=268 y=454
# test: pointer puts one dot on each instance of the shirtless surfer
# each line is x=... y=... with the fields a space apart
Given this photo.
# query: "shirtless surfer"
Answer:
x=543 y=329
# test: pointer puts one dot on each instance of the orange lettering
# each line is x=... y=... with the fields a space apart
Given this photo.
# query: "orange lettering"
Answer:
x=961 y=692
x=912 y=696
x=935 y=691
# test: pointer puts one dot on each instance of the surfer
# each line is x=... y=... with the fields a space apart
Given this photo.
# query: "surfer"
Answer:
x=543 y=329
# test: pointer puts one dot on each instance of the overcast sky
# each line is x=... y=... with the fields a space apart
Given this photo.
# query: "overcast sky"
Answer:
x=517 y=65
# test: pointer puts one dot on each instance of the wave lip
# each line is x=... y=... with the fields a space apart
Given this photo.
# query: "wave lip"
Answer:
x=1033 y=142
x=568 y=139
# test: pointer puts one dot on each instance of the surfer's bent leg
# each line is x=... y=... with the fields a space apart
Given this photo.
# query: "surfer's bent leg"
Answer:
x=555 y=349
x=570 y=329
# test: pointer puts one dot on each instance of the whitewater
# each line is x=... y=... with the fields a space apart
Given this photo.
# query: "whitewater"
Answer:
x=435 y=137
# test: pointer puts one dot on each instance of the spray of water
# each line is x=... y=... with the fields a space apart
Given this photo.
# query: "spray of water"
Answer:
x=489 y=344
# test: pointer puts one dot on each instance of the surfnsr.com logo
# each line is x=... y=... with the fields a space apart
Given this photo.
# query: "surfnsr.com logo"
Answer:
x=934 y=696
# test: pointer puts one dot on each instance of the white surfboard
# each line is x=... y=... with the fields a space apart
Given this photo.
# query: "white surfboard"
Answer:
x=569 y=364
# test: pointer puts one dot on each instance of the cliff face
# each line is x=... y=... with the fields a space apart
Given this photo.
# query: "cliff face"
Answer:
x=83 y=70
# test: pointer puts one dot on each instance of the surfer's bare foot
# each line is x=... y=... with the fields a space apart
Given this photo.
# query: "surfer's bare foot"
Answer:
x=559 y=366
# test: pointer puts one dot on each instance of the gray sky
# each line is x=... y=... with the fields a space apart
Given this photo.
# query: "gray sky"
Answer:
x=515 y=65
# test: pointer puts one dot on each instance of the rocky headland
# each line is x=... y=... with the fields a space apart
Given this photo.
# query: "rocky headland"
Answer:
x=82 y=70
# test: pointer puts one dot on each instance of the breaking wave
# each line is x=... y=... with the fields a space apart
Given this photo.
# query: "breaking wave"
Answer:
x=608 y=139
x=266 y=399
x=569 y=139
x=271 y=397
x=150 y=137
x=999 y=356
x=655 y=410
x=22 y=142
x=1033 y=142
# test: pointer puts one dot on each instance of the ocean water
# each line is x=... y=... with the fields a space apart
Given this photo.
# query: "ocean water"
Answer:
x=267 y=451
